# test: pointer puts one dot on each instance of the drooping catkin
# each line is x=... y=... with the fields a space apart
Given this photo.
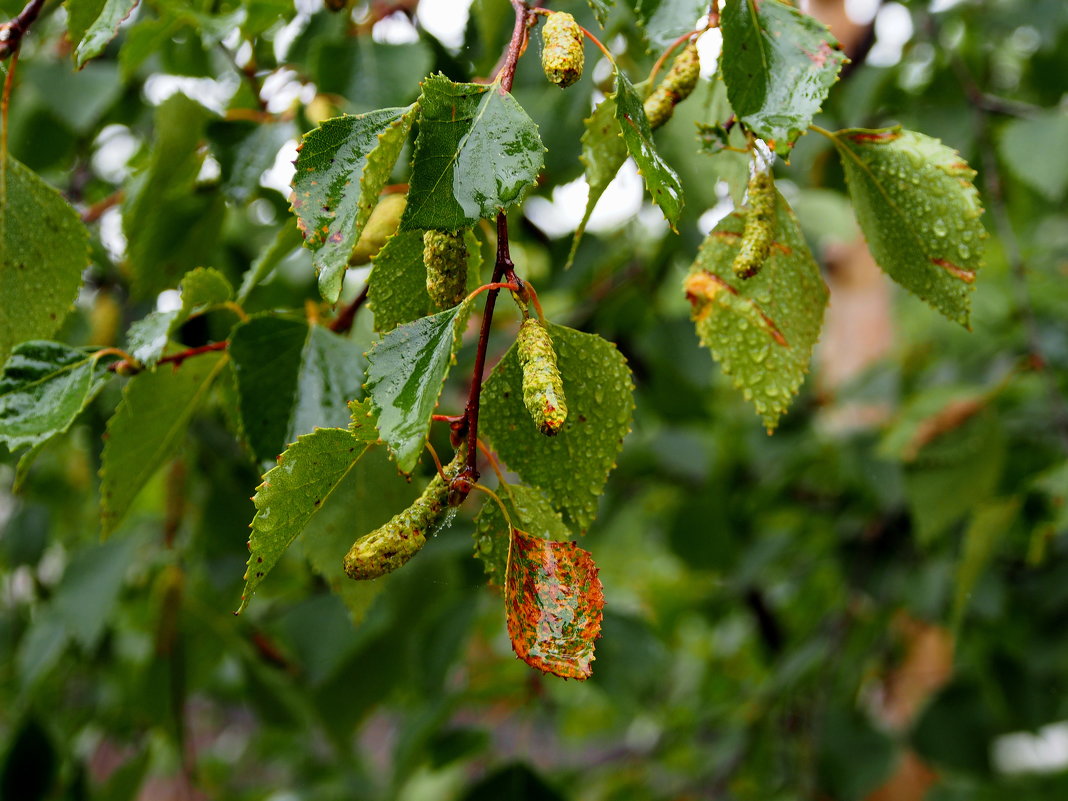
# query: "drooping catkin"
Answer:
x=392 y=545
x=759 y=231
x=676 y=87
x=445 y=257
x=543 y=388
x=562 y=57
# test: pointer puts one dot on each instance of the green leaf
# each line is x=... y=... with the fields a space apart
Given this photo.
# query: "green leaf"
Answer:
x=661 y=181
x=147 y=429
x=1034 y=151
x=293 y=492
x=761 y=330
x=600 y=9
x=779 y=64
x=405 y=373
x=93 y=24
x=342 y=167
x=477 y=153
x=90 y=588
x=919 y=211
x=397 y=286
x=43 y=249
x=530 y=510
x=202 y=290
x=664 y=21
x=44 y=386
x=252 y=155
x=571 y=467
x=288 y=239
x=370 y=74
x=170 y=225
x=366 y=497
x=603 y=153
x=989 y=524
x=292 y=378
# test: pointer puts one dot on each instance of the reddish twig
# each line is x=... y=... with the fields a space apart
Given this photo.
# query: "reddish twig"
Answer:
x=96 y=211
x=342 y=324
x=12 y=32
x=126 y=367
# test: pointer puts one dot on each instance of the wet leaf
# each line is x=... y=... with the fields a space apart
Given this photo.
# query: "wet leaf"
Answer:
x=600 y=9
x=919 y=211
x=43 y=249
x=571 y=467
x=779 y=64
x=661 y=181
x=664 y=21
x=202 y=290
x=341 y=169
x=477 y=153
x=293 y=492
x=405 y=373
x=292 y=378
x=43 y=388
x=529 y=508
x=148 y=428
x=92 y=24
x=553 y=601
x=288 y=239
x=762 y=329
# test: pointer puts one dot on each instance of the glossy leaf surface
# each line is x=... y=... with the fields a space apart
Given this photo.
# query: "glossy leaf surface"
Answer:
x=761 y=330
x=661 y=181
x=529 y=508
x=43 y=388
x=405 y=373
x=293 y=492
x=477 y=153
x=665 y=20
x=341 y=169
x=919 y=211
x=147 y=429
x=778 y=64
x=571 y=467
x=43 y=249
x=93 y=24
x=292 y=378
x=553 y=601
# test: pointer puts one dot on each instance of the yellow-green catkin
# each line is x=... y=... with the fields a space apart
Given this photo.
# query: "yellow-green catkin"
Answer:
x=391 y=546
x=445 y=258
x=676 y=87
x=543 y=388
x=759 y=231
x=381 y=225
x=562 y=56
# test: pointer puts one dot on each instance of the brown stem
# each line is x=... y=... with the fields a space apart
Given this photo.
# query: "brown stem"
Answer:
x=126 y=367
x=342 y=324
x=11 y=33
x=96 y=211
x=506 y=74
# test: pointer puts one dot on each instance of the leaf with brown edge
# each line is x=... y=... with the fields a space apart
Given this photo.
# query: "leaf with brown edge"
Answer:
x=553 y=601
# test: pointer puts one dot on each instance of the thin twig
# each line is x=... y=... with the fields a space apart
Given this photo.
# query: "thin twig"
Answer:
x=342 y=324
x=12 y=33
x=127 y=367
x=96 y=211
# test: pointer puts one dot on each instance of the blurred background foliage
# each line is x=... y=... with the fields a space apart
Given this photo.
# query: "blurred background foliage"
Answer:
x=867 y=605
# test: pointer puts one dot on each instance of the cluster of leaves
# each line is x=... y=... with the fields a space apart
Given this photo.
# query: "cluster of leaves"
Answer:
x=703 y=520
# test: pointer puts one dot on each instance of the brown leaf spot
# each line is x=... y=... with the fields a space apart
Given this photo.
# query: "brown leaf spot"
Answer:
x=967 y=276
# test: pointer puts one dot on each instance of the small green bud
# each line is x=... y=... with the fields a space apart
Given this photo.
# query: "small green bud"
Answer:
x=562 y=56
x=391 y=546
x=543 y=388
x=445 y=258
x=759 y=231
x=381 y=225
x=676 y=87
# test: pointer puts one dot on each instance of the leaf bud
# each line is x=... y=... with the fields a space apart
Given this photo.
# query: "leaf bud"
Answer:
x=445 y=257
x=543 y=388
x=392 y=545
x=562 y=56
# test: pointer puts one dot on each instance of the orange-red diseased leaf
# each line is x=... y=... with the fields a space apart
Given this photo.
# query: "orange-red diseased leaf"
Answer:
x=553 y=601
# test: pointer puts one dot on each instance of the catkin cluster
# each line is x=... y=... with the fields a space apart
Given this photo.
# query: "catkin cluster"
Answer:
x=543 y=389
x=445 y=257
x=759 y=231
x=562 y=56
x=676 y=87
x=391 y=546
